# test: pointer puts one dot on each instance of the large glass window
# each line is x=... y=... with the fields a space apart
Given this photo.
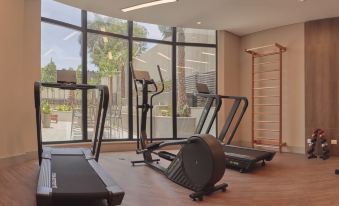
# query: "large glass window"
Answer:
x=194 y=65
x=196 y=35
x=107 y=65
x=106 y=24
x=146 y=57
x=152 y=31
x=58 y=11
x=61 y=109
x=108 y=41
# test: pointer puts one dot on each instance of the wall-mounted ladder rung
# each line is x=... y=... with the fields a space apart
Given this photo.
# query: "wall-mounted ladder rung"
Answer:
x=264 y=63
x=265 y=113
x=261 y=88
x=268 y=96
x=267 y=93
x=262 y=121
x=275 y=70
x=267 y=141
x=267 y=130
x=265 y=105
x=267 y=146
x=268 y=79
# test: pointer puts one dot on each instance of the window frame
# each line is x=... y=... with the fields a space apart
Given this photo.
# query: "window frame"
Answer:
x=130 y=38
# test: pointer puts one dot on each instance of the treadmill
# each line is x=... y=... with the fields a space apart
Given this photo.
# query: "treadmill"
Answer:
x=73 y=174
x=243 y=158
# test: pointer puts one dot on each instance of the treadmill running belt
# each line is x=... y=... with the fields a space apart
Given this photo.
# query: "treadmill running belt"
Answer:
x=257 y=154
x=75 y=177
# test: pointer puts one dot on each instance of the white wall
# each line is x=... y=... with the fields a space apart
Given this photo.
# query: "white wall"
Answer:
x=19 y=68
x=228 y=72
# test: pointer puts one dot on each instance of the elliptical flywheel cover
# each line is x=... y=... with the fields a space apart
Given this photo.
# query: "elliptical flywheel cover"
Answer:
x=204 y=160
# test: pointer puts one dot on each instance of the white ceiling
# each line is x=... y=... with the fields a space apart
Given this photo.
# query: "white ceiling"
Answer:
x=238 y=16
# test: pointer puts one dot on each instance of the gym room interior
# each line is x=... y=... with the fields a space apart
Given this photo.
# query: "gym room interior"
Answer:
x=169 y=102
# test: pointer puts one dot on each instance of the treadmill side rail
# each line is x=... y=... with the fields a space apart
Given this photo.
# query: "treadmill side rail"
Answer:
x=116 y=194
x=44 y=189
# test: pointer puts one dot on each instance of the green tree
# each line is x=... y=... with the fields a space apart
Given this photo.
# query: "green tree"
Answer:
x=49 y=72
x=183 y=108
x=109 y=54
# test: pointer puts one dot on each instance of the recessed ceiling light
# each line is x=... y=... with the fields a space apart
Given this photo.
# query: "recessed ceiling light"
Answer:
x=302 y=0
x=149 y=4
x=199 y=22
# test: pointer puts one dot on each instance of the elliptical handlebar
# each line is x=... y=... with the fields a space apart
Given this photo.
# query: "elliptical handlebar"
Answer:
x=162 y=84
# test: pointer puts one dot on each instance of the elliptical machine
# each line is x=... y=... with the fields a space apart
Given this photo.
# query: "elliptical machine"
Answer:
x=200 y=162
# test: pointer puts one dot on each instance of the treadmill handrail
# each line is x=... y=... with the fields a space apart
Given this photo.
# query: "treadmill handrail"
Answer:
x=102 y=110
x=230 y=117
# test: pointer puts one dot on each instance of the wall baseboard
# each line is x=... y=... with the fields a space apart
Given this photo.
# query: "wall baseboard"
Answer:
x=17 y=159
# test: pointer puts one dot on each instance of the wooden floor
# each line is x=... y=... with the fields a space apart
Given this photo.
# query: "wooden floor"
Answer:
x=288 y=180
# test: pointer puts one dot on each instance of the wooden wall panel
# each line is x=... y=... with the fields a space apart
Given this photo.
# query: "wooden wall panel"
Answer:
x=322 y=78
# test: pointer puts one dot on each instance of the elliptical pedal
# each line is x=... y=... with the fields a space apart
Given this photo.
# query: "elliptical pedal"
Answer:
x=200 y=194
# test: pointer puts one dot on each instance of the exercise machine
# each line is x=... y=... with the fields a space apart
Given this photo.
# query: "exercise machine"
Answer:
x=200 y=162
x=242 y=158
x=73 y=174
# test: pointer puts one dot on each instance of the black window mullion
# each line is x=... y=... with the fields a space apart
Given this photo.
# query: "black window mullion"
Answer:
x=60 y=23
x=84 y=74
x=216 y=77
x=130 y=89
x=174 y=82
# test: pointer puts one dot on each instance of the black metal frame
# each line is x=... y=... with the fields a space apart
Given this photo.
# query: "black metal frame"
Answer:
x=130 y=38
x=100 y=121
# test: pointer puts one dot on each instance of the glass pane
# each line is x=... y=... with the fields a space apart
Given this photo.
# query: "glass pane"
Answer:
x=146 y=57
x=61 y=115
x=61 y=12
x=152 y=31
x=196 y=35
x=61 y=109
x=108 y=65
x=194 y=65
x=106 y=24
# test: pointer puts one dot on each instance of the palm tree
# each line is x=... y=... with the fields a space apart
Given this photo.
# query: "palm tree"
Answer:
x=183 y=107
x=109 y=54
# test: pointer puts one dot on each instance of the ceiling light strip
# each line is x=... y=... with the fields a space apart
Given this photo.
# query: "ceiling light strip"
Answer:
x=149 y=4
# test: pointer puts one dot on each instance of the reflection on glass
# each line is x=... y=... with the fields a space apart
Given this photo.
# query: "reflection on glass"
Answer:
x=61 y=109
x=152 y=31
x=60 y=48
x=146 y=57
x=106 y=24
x=108 y=65
x=196 y=35
x=194 y=65
x=61 y=12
